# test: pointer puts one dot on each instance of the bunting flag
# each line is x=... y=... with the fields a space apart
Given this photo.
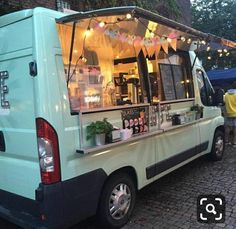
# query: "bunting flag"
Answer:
x=173 y=44
x=137 y=48
x=165 y=47
x=151 y=50
x=157 y=49
x=149 y=45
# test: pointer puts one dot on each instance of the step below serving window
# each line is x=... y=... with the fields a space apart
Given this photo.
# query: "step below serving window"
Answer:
x=113 y=60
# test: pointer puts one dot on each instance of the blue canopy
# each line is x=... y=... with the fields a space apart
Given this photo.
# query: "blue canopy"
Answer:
x=228 y=74
x=222 y=78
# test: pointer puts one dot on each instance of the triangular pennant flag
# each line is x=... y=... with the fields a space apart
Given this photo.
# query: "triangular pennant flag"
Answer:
x=165 y=46
x=151 y=50
x=173 y=44
x=137 y=49
x=157 y=50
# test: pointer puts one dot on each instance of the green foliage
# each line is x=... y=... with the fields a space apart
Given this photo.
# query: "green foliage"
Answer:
x=216 y=17
x=197 y=108
x=219 y=18
x=170 y=5
x=99 y=127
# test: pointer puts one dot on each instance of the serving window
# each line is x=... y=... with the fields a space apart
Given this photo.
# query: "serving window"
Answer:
x=118 y=60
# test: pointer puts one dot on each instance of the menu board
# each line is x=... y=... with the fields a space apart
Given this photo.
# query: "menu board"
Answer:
x=179 y=79
x=135 y=119
x=167 y=81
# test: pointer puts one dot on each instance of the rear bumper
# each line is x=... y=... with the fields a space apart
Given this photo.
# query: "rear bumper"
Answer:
x=60 y=205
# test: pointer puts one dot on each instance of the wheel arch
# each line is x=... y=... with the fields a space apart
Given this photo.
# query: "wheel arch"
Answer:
x=221 y=128
x=128 y=170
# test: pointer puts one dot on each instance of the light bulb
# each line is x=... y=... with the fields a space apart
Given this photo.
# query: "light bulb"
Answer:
x=219 y=50
x=88 y=31
x=128 y=16
x=209 y=57
x=152 y=34
x=182 y=38
x=83 y=59
x=189 y=40
x=227 y=54
x=225 y=50
x=169 y=39
x=203 y=42
x=208 y=48
x=101 y=24
x=221 y=54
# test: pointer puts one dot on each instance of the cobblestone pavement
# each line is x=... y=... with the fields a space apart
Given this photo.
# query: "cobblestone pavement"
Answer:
x=171 y=201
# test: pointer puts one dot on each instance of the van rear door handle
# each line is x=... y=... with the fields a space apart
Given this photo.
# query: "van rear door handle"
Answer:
x=2 y=142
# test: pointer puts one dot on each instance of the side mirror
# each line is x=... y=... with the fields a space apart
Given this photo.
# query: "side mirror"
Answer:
x=219 y=97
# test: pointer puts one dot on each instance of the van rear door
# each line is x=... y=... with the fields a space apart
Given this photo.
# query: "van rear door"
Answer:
x=19 y=165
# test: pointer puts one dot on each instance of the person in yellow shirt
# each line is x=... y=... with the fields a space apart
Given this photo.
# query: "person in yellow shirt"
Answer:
x=230 y=115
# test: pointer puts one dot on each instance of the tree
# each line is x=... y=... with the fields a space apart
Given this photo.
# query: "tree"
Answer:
x=168 y=8
x=219 y=18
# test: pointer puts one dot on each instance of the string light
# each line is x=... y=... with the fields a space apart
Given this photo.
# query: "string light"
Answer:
x=189 y=40
x=101 y=24
x=83 y=59
x=203 y=42
x=128 y=16
x=182 y=38
x=169 y=39
x=88 y=32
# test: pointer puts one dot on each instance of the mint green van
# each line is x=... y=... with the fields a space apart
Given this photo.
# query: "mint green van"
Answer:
x=59 y=73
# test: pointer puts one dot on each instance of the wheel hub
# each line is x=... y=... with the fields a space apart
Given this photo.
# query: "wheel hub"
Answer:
x=119 y=202
x=219 y=145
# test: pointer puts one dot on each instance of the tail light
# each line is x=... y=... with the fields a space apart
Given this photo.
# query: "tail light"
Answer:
x=48 y=150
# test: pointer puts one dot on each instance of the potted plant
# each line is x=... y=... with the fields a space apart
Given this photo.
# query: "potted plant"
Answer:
x=99 y=130
x=198 y=109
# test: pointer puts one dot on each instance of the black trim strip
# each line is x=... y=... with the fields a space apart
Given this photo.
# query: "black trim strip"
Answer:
x=62 y=204
x=2 y=142
x=168 y=163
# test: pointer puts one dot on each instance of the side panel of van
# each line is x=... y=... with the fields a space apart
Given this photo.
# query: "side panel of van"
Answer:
x=19 y=167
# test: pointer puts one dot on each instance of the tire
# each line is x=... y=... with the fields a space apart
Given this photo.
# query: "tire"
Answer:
x=218 y=146
x=117 y=201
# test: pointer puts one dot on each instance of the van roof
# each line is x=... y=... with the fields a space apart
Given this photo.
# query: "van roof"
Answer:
x=22 y=14
x=16 y=16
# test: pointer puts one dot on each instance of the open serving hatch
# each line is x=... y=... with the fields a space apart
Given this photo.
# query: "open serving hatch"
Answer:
x=103 y=49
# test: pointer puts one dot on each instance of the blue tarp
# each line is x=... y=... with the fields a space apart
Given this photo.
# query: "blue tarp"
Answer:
x=228 y=74
x=222 y=78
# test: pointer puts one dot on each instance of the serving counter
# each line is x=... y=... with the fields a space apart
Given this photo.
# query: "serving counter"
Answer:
x=144 y=119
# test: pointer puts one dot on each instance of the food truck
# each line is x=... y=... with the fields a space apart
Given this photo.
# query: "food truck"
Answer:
x=69 y=80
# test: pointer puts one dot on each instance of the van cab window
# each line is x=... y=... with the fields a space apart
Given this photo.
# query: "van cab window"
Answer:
x=205 y=88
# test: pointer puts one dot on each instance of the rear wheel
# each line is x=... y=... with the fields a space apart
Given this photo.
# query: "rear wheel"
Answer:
x=218 y=146
x=117 y=201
